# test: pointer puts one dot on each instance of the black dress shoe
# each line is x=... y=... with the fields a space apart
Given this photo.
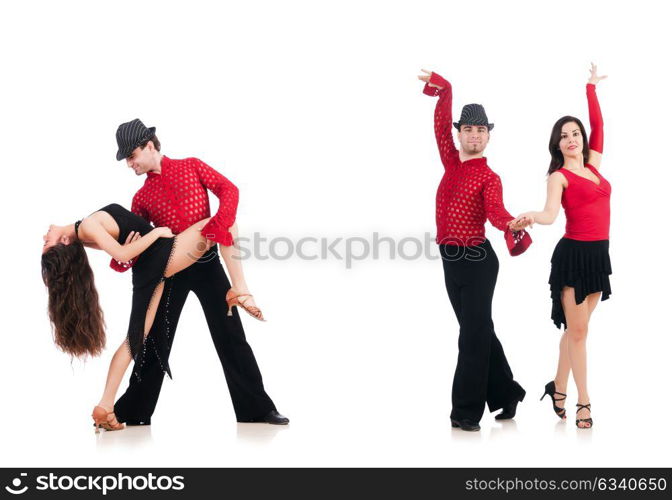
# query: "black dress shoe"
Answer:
x=508 y=412
x=272 y=417
x=465 y=424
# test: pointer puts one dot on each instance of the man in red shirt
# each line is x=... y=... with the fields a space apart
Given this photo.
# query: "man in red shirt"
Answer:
x=175 y=195
x=469 y=193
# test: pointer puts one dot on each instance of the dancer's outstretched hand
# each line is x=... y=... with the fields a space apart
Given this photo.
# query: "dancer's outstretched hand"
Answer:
x=425 y=78
x=521 y=222
x=593 y=75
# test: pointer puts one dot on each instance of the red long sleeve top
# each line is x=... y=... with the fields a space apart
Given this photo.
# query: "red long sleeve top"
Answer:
x=178 y=198
x=587 y=204
x=469 y=192
x=596 y=141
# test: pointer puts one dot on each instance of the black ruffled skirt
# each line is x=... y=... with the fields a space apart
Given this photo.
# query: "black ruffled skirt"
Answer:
x=148 y=273
x=583 y=265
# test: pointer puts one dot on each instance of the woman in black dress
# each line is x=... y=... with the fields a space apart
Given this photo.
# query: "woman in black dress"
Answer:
x=75 y=314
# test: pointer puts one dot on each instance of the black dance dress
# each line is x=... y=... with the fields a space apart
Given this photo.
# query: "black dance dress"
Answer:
x=148 y=273
x=582 y=265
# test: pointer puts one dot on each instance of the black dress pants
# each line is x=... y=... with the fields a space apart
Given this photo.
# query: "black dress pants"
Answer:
x=207 y=279
x=482 y=373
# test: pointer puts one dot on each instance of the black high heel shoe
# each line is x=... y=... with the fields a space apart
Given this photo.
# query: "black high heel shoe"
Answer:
x=550 y=390
x=587 y=420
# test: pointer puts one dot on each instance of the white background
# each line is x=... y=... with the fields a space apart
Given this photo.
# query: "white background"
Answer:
x=315 y=112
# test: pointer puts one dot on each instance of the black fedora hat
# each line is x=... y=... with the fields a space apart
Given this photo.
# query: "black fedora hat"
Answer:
x=473 y=114
x=130 y=135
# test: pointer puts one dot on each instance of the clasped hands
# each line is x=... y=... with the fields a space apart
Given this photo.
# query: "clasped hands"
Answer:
x=521 y=222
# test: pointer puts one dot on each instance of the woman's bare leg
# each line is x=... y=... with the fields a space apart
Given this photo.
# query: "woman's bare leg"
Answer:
x=190 y=246
x=564 y=364
x=234 y=265
x=118 y=366
x=233 y=262
x=577 y=332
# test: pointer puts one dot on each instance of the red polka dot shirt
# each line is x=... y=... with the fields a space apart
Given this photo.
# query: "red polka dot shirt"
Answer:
x=178 y=197
x=469 y=192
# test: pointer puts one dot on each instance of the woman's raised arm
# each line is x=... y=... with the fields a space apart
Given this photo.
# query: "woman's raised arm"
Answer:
x=595 y=116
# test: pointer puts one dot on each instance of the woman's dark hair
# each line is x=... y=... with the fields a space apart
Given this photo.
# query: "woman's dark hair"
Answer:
x=557 y=160
x=74 y=311
x=155 y=140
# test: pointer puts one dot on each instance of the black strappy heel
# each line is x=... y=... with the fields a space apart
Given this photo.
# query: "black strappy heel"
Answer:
x=587 y=420
x=550 y=390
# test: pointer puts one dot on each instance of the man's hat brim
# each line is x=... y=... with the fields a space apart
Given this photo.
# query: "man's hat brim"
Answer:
x=489 y=125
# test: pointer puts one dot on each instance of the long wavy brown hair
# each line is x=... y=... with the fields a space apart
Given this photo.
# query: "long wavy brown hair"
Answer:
x=557 y=159
x=75 y=314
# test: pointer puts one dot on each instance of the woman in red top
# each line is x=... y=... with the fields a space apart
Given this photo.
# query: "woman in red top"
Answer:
x=580 y=265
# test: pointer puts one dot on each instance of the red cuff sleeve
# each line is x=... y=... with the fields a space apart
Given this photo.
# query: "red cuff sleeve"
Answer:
x=214 y=231
x=517 y=241
x=436 y=80
x=121 y=267
x=596 y=141
x=430 y=91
